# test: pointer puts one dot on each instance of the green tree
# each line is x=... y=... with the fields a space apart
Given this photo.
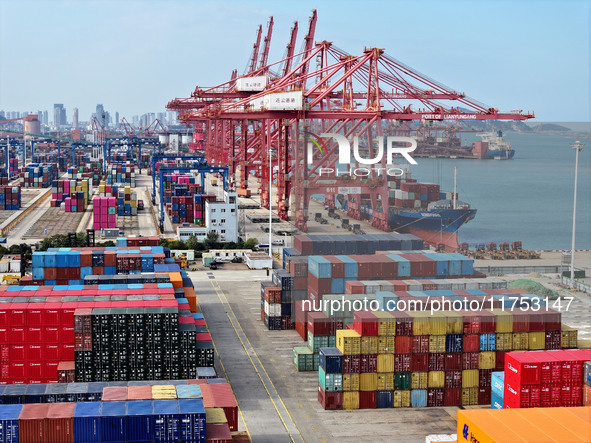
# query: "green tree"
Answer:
x=211 y=240
x=192 y=243
x=250 y=243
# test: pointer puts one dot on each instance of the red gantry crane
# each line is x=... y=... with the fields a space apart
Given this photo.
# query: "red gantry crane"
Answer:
x=266 y=116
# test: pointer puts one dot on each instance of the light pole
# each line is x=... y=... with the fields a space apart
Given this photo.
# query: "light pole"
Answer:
x=578 y=146
x=270 y=204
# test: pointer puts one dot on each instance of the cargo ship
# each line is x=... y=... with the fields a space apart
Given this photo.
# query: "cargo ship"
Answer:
x=422 y=209
x=493 y=146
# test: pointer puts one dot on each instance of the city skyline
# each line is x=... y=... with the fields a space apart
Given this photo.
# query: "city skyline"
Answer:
x=509 y=55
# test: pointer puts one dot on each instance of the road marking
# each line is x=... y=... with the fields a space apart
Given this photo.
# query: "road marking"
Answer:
x=235 y=321
x=226 y=374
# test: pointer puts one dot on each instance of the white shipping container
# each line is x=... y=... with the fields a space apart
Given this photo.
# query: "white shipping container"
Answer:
x=256 y=104
x=4 y=265
x=15 y=266
x=275 y=310
x=284 y=101
x=257 y=83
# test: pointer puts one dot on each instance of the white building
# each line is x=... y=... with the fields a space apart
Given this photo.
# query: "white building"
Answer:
x=221 y=217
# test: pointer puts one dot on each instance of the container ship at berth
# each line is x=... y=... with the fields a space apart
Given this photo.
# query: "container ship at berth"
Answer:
x=422 y=209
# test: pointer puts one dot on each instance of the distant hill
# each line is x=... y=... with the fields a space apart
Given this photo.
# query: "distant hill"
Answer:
x=553 y=127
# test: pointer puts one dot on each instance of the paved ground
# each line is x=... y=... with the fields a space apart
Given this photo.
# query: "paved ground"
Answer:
x=56 y=221
x=277 y=402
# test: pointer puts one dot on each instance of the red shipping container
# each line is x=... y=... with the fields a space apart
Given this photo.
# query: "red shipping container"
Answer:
x=223 y=397
x=484 y=396
x=32 y=423
x=334 y=324
x=51 y=352
x=354 y=287
x=5 y=314
x=34 y=314
x=5 y=372
x=470 y=360
x=67 y=314
x=51 y=335
x=34 y=370
x=419 y=362
x=17 y=334
x=453 y=361
x=523 y=368
x=420 y=344
x=50 y=370
x=368 y=363
x=4 y=353
x=537 y=321
x=66 y=352
x=471 y=342
x=516 y=395
x=4 y=335
x=453 y=379
x=520 y=320
x=18 y=353
x=337 y=267
x=351 y=364
x=34 y=352
x=366 y=323
x=550 y=372
x=318 y=324
x=403 y=344
x=553 y=320
x=66 y=334
x=435 y=397
x=52 y=314
x=550 y=395
x=368 y=399
x=301 y=328
x=488 y=322
x=484 y=377
x=402 y=362
x=436 y=361
x=453 y=397
x=18 y=371
x=330 y=400
x=17 y=314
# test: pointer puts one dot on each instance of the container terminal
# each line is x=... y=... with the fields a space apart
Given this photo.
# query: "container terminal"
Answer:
x=166 y=296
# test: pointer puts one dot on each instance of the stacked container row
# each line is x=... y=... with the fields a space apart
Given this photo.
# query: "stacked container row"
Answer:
x=38 y=175
x=10 y=198
x=104 y=213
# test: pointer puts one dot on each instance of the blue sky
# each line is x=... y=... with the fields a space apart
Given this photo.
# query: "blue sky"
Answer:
x=134 y=56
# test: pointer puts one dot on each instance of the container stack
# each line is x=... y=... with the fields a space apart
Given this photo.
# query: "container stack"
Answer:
x=587 y=384
x=126 y=202
x=418 y=195
x=121 y=173
x=413 y=358
x=13 y=167
x=189 y=410
x=69 y=266
x=106 y=190
x=181 y=210
x=86 y=169
x=545 y=378
x=10 y=198
x=37 y=175
x=355 y=244
x=75 y=194
x=104 y=212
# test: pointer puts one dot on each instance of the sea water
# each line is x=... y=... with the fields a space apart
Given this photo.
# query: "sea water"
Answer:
x=527 y=199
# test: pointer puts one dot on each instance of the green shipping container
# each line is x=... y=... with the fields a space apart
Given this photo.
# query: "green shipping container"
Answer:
x=317 y=342
x=402 y=380
x=303 y=358
x=330 y=382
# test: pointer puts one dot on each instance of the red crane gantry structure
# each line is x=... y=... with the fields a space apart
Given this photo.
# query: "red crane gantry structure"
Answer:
x=368 y=95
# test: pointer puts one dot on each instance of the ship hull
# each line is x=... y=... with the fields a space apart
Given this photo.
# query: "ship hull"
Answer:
x=500 y=155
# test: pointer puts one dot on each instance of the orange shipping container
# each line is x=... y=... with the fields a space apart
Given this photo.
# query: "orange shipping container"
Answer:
x=552 y=425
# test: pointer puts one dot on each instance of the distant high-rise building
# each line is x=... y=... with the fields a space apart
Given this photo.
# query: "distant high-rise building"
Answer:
x=45 y=117
x=2 y=117
x=116 y=119
x=40 y=116
x=107 y=118
x=162 y=118
x=100 y=115
x=135 y=120
x=75 y=118
x=59 y=115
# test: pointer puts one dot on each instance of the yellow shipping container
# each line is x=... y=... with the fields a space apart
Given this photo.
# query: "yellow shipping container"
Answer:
x=470 y=378
x=348 y=342
x=420 y=322
x=368 y=381
x=520 y=341
x=401 y=399
x=504 y=342
x=369 y=345
x=351 y=382
x=128 y=189
x=504 y=320
x=584 y=344
x=163 y=392
x=386 y=344
x=215 y=416
x=436 y=379
x=385 y=363
x=438 y=323
x=537 y=341
x=486 y=360
x=386 y=323
x=437 y=343
x=385 y=381
x=351 y=400
x=568 y=337
x=455 y=323
x=469 y=396
x=419 y=380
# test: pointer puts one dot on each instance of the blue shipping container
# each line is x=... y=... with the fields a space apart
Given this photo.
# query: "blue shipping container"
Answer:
x=496 y=402
x=166 y=420
x=488 y=342
x=454 y=343
x=86 y=423
x=112 y=420
x=192 y=420
x=385 y=399
x=139 y=421
x=331 y=360
x=497 y=383
x=418 y=398
x=9 y=415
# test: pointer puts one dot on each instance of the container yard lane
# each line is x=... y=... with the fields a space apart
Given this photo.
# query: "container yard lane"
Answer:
x=266 y=416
